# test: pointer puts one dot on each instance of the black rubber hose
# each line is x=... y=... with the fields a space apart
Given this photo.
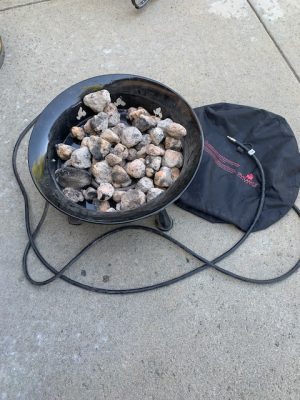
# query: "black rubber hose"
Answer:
x=59 y=274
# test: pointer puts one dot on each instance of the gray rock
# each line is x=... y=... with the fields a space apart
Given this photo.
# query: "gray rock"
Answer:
x=105 y=147
x=163 y=178
x=132 y=199
x=77 y=133
x=88 y=128
x=113 y=115
x=102 y=172
x=173 y=144
x=130 y=136
x=64 y=151
x=89 y=194
x=93 y=144
x=73 y=194
x=111 y=209
x=118 y=195
x=110 y=136
x=153 y=193
x=157 y=135
x=81 y=158
x=172 y=159
x=136 y=168
x=144 y=122
x=153 y=150
x=113 y=160
x=145 y=184
x=145 y=140
x=175 y=130
x=132 y=154
x=120 y=176
x=72 y=177
x=142 y=152
x=105 y=191
x=120 y=150
x=150 y=172
x=164 y=123
x=153 y=162
x=97 y=101
x=118 y=129
x=99 y=122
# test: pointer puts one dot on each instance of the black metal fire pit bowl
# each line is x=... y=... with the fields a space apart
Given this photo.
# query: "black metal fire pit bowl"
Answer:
x=67 y=110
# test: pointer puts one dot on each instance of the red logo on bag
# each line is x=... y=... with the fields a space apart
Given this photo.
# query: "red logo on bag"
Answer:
x=250 y=177
x=229 y=165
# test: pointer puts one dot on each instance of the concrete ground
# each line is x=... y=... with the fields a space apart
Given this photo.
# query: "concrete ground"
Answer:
x=208 y=337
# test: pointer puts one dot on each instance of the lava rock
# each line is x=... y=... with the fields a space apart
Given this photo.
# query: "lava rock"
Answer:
x=176 y=131
x=175 y=172
x=89 y=194
x=64 y=151
x=110 y=136
x=150 y=172
x=118 y=129
x=163 y=178
x=113 y=160
x=157 y=135
x=105 y=191
x=77 y=133
x=120 y=176
x=153 y=162
x=153 y=193
x=132 y=154
x=81 y=158
x=88 y=128
x=144 y=122
x=145 y=184
x=132 y=199
x=153 y=150
x=120 y=150
x=102 y=172
x=93 y=143
x=136 y=168
x=104 y=206
x=145 y=140
x=134 y=113
x=97 y=101
x=172 y=144
x=72 y=177
x=142 y=152
x=130 y=136
x=113 y=115
x=164 y=123
x=73 y=194
x=118 y=195
x=105 y=147
x=172 y=159
x=99 y=122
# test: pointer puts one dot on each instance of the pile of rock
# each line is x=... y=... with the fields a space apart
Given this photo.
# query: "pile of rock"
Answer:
x=120 y=166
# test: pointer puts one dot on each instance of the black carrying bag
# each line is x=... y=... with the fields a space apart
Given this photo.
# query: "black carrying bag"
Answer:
x=226 y=187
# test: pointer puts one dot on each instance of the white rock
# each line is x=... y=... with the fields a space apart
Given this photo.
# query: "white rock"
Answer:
x=97 y=101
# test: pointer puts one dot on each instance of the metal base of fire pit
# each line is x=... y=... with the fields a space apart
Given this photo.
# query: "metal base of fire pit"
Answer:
x=163 y=221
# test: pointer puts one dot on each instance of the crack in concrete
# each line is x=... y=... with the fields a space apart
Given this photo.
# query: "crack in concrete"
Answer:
x=271 y=36
x=23 y=5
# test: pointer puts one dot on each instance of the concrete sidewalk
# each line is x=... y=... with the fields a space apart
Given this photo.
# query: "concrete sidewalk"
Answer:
x=208 y=337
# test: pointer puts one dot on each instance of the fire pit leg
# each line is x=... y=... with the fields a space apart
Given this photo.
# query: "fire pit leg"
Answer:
x=163 y=221
x=74 y=221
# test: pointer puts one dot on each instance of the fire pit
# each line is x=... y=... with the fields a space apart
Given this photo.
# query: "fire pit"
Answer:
x=68 y=110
